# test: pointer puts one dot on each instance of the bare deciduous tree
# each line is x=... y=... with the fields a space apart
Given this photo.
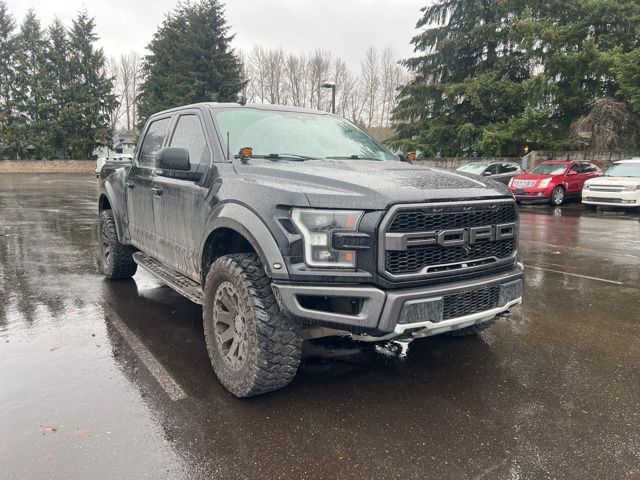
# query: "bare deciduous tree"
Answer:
x=319 y=68
x=130 y=73
x=370 y=68
x=275 y=76
x=125 y=72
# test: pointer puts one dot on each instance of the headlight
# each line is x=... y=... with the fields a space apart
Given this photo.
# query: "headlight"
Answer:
x=317 y=228
x=544 y=183
x=510 y=182
x=631 y=188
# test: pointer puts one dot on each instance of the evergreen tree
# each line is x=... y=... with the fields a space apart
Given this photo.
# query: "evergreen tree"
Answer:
x=7 y=51
x=627 y=71
x=498 y=77
x=30 y=88
x=57 y=75
x=190 y=60
x=85 y=120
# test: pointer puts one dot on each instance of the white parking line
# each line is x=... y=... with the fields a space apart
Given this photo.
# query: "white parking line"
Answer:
x=163 y=377
x=575 y=275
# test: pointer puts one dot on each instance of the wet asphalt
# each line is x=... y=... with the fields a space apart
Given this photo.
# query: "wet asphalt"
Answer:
x=552 y=392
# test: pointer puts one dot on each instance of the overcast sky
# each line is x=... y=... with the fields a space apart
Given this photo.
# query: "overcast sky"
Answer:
x=344 y=27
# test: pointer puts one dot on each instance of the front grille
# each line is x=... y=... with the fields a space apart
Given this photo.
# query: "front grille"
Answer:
x=417 y=220
x=606 y=188
x=470 y=301
x=603 y=199
x=415 y=260
x=523 y=183
x=408 y=248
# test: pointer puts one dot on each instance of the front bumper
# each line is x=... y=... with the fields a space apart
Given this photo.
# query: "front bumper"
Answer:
x=531 y=194
x=418 y=312
x=615 y=199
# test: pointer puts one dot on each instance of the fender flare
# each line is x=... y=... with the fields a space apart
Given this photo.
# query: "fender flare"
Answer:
x=245 y=222
x=117 y=209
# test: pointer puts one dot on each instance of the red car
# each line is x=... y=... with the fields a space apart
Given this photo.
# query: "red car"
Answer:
x=553 y=181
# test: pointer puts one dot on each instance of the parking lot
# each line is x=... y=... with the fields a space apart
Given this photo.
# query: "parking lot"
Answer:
x=111 y=380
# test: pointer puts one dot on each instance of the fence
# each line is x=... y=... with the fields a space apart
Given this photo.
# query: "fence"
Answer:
x=530 y=160
x=451 y=163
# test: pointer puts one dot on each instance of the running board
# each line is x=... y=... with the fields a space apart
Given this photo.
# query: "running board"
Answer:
x=181 y=284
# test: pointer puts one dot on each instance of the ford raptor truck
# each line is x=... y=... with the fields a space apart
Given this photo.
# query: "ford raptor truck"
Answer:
x=288 y=224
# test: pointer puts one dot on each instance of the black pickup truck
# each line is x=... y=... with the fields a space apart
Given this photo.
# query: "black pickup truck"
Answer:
x=289 y=224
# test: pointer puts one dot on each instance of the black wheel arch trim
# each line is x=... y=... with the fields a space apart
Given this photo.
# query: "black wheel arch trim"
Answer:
x=247 y=223
x=117 y=209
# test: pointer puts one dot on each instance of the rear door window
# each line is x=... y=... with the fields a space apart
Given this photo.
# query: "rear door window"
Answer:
x=153 y=141
x=492 y=169
x=510 y=167
x=189 y=134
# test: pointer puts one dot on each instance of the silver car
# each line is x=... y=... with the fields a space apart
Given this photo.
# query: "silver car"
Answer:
x=500 y=171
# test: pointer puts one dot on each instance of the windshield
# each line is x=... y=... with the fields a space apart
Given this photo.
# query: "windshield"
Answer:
x=476 y=168
x=623 y=170
x=549 y=169
x=299 y=135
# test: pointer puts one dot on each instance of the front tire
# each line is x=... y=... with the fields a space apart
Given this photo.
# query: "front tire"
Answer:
x=115 y=260
x=557 y=196
x=253 y=347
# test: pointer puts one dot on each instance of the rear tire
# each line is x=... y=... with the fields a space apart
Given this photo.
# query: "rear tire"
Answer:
x=557 y=196
x=253 y=347
x=472 y=330
x=115 y=260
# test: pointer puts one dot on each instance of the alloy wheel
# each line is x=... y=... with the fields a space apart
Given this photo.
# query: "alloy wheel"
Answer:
x=230 y=325
x=558 y=196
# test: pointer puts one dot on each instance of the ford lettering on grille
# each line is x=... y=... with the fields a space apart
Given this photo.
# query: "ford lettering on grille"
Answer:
x=451 y=238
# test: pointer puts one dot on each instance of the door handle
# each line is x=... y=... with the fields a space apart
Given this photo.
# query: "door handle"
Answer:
x=157 y=191
x=130 y=184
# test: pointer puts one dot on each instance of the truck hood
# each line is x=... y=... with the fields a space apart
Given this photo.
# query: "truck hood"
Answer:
x=367 y=184
x=611 y=181
x=535 y=176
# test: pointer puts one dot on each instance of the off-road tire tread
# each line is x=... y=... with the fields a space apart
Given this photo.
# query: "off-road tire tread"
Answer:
x=278 y=343
x=472 y=329
x=122 y=265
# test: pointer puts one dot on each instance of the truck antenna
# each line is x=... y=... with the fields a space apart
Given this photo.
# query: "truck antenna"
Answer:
x=228 y=156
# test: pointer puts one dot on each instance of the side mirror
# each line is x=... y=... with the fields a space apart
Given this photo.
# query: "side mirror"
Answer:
x=571 y=173
x=411 y=157
x=173 y=158
x=486 y=174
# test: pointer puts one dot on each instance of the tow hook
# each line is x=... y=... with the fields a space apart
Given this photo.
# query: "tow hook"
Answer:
x=505 y=314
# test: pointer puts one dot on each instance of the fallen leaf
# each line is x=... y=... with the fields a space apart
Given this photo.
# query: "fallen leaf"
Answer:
x=81 y=433
x=47 y=458
x=48 y=429
x=54 y=348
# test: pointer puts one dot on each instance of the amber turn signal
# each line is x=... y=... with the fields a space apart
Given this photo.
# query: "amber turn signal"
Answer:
x=246 y=152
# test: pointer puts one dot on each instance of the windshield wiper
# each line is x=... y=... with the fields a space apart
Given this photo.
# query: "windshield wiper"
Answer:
x=353 y=157
x=281 y=156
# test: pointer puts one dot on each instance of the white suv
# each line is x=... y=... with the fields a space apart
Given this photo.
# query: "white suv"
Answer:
x=619 y=186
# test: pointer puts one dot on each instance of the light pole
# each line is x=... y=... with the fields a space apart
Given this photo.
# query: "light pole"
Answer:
x=332 y=86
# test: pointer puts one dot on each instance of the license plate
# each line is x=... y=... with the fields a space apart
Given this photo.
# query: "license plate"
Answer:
x=519 y=191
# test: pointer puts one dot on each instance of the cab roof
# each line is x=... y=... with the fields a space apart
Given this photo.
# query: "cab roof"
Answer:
x=630 y=160
x=254 y=106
